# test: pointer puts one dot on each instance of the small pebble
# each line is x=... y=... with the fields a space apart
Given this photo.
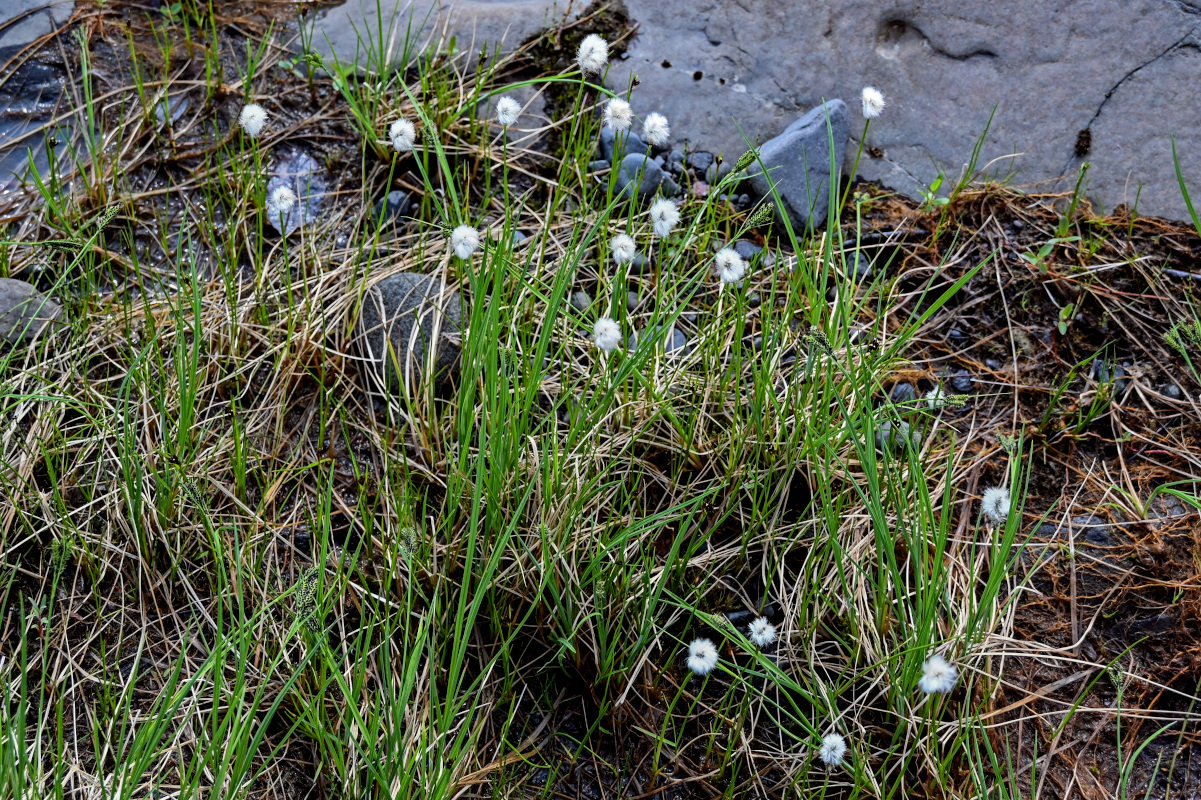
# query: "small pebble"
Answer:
x=581 y=300
x=903 y=392
x=598 y=165
x=1173 y=392
x=632 y=300
x=961 y=383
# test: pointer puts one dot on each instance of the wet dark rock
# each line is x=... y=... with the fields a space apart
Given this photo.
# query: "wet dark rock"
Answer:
x=640 y=265
x=390 y=208
x=581 y=300
x=23 y=21
x=992 y=363
x=748 y=250
x=638 y=174
x=1172 y=392
x=597 y=166
x=301 y=173
x=956 y=337
x=615 y=145
x=903 y=392
x=798 y=163
x=670 y=188
x=1106 y=372
x=754 y=300
x=961 y=382
x=24 y=311
x=859 y=266
x=632 y=301
x=404 y=315
x=699 y=161
x=30 y=97
x=891 y=436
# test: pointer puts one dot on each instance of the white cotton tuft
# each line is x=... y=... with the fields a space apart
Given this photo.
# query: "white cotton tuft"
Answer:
x=402 y=134
x=873 y=102
x=280 y=201
x=507 y=111
x=618 y=114
x=729 y=266
x=664 y=216
x=464 y=240
x=606 y=334
x=252 y=119
x=655 y=129
x=702 y=656
x=938 y=676
x=995 y=505
x=623 y=248
x=593 y=54
x=833 y=749
x=762 y=632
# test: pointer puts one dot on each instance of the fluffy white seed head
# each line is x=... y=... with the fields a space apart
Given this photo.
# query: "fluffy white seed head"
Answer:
x=935 y=397
x=873 y=102
x=618 y=114
x=702 y=656
x=762 y=632
x=728 y=265
x=995 y=505
x=252 y=119
x=402 y=134
x=655 y=129
x=593 y=54
x=623 y=248
x=507 y=111
x=464 y=240
x=280 y=201
x=833 y=749
x=938 y=676
x=606 y=334
x=664 y=216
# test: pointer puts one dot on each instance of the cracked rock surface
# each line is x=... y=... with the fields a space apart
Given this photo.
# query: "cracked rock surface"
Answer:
x=1104 y=81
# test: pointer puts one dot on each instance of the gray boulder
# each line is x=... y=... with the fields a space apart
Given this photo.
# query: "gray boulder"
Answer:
x=638 y=173
x=401 y=316
x=798 y=163
x=24 y=311
x=616 y=145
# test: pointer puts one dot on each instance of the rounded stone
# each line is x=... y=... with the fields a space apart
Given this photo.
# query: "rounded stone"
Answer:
x=401 y=316
x=638 y=174
x=24 y=311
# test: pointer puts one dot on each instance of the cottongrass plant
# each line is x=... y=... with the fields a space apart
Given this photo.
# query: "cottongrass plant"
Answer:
x=465 y=240
x=280 y=201
x=606 y=334
x=618 y=114
x=402 y=134
x=655 y=129
x=623 y=248
x=762 y=632
x=702 y=656
x=507 y=111
x=833 y=749
x=729 y=266
x=593 y=54
x=665 y=216
x=252 y=119
x=873 y=102
x=995 y=505
x=938 y=675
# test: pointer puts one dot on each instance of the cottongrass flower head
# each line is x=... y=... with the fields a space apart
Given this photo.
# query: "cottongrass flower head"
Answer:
x=995 y=504
x=762 y=632
x=606 y=334
x=464 y=240
x=623 y=248
x=728 y=265
x=873 y=102
x=938 y=676
x=833 y=749
x=280 y=201
x=665 y=216
x=655 y=129
x=593 y=54
x=402 y=134
x=702 y=656
x=252 y=119
x=935 y=397
x=507 y=111
x=618 y=114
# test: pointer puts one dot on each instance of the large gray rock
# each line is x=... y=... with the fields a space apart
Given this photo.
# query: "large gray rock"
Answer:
x=400 y=318
x=37 y=18
x=726 y=72
x=798 y=163
x=638 y=174
x=24 y=311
